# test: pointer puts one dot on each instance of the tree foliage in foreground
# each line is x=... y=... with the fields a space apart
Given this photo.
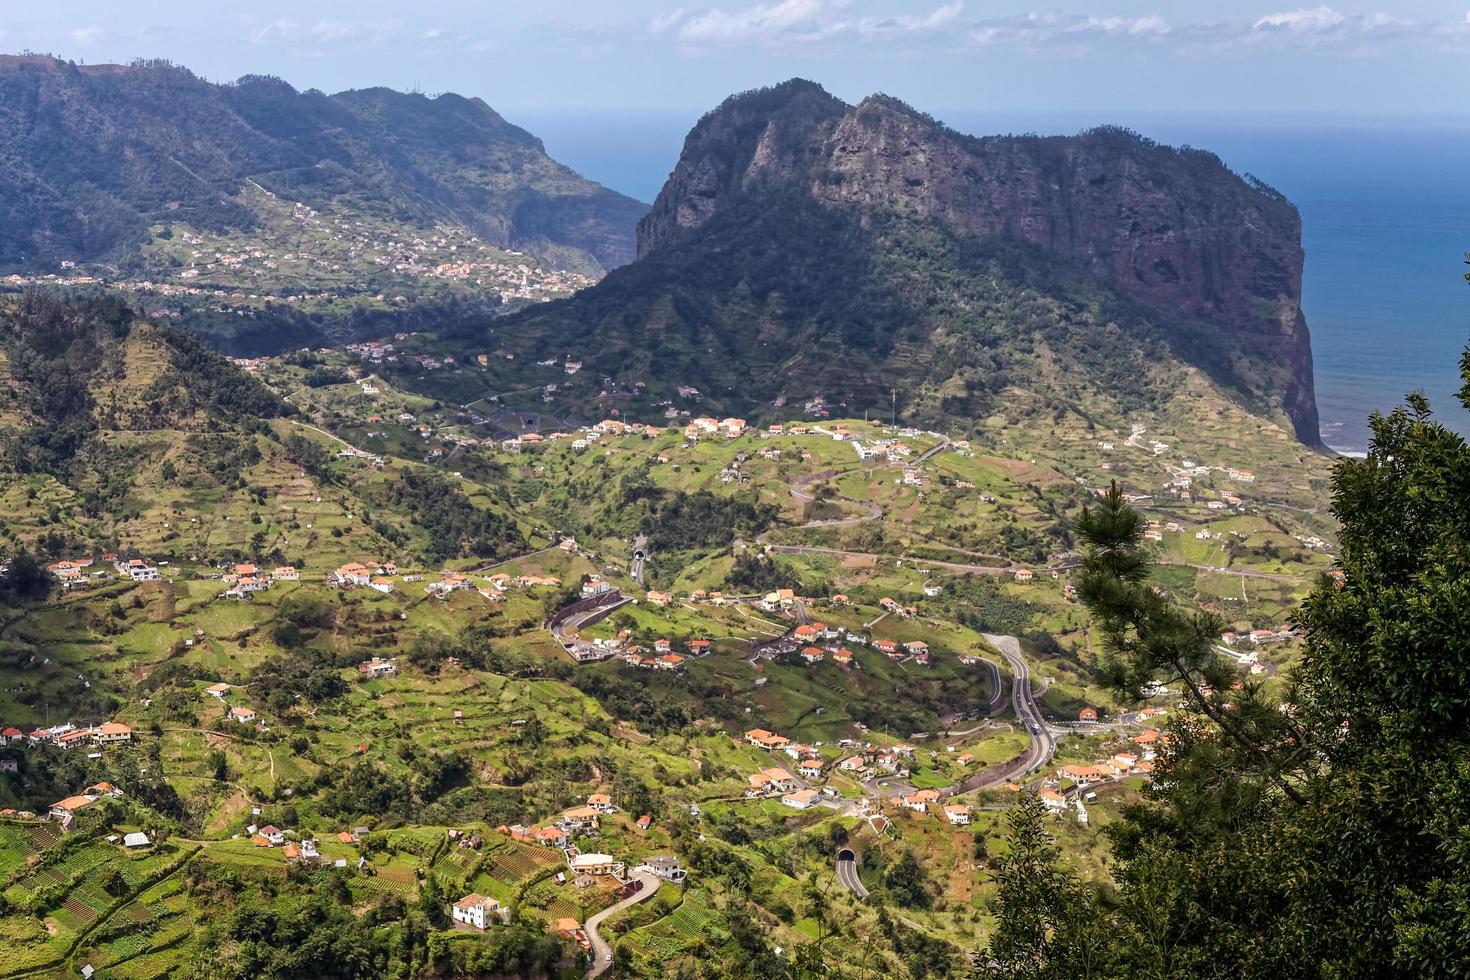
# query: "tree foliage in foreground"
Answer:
x=1321 y=835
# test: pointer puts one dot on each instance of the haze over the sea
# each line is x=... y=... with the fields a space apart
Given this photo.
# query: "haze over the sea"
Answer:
x=1385 y=218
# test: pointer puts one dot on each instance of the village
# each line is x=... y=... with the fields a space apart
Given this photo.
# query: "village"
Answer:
x=861 y=684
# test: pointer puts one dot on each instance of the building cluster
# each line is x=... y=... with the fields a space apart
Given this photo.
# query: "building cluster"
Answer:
x=75 y=573
x=68 y=736
x=244 y=579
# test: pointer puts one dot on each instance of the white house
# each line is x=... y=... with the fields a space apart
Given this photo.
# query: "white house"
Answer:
x=663 y=866
x=801 y=799
x=477 y=911
x=112 y=733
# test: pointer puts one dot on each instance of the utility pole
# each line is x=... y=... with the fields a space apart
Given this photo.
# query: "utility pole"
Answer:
x=893 y=393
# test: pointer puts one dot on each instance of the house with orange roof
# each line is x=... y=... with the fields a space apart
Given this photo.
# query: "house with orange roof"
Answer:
x=352 y=574
x=802 y=799
x=1082 y=775
x=477 y=911
x=568 y=928
x=1052 y=800
x=957 y=814
x=763 y=739
x=65 y=811
x=769 y=781
x=112 y=733
x=842 y=657
x=72 y=739
x=813 y=655
x=580 y=818
x=919 y=802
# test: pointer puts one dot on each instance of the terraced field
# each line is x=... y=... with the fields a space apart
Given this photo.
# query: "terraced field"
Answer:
x=673 y=934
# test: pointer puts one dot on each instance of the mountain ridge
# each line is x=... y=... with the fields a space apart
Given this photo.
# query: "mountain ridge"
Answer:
x=1173 y=227
x=942 y=236
x=97 y=153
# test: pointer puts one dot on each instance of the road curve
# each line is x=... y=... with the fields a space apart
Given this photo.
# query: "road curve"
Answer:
x=601 y=951
x=847 y=875
x=1023 y=702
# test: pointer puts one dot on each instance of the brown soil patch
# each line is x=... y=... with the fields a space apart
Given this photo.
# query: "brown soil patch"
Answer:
x=858 y=561
x=1023 y=472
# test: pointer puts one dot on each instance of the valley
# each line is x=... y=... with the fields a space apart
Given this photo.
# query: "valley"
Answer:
x=334 y=622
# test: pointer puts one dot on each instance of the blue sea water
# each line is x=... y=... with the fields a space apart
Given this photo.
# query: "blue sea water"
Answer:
x=1385 y=223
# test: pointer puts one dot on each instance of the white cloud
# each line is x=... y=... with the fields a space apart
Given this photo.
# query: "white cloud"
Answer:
x=433 y=34
x=767 y=22
x=936 y=19
x=326 y=30
x=1035 y=30
x=795 y=20
x=1301 y=21
x=89 y=35
x=663 y=22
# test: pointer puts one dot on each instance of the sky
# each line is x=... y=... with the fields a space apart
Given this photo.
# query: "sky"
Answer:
x=1381 y=59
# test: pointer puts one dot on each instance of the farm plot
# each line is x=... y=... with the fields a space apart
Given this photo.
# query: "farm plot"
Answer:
x=674 y=933
x=516 y=863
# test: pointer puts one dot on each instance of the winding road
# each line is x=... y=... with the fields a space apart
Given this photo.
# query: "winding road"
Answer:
x=1023 y=702
x=601 y=951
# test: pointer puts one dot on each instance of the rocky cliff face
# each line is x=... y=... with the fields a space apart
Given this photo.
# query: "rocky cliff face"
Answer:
x=1173 y=228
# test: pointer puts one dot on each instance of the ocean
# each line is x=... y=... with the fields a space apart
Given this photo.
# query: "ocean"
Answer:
x=1385 y=223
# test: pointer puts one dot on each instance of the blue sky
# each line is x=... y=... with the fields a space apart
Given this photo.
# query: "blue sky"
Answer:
x=1384 y=58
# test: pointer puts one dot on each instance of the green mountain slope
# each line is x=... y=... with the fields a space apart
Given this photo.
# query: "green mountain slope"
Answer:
x=95 y=155
x=805 y=248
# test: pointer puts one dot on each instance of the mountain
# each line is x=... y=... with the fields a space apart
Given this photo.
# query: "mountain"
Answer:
x=95 y=156
x=867 y=254
x=122 y=432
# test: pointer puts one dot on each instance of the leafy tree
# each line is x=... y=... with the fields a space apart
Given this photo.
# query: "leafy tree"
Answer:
x=905 y=881
x=1322 y=836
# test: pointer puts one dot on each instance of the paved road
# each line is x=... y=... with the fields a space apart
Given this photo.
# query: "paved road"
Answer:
x=640 y=556
x=942 y=446
x=791 y=549
x=997 y=700
x=1023 y=702
x=601 y=951
x=1242 y=572
x=847 y=876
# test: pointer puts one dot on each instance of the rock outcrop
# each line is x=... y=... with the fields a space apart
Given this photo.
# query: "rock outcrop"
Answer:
x=1172 y=228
